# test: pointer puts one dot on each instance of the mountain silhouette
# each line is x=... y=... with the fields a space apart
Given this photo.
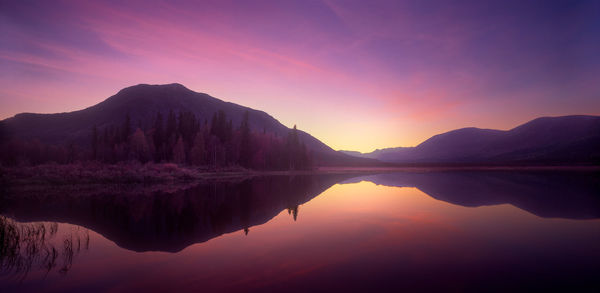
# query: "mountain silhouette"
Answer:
x=142 y=102
x=546 y=140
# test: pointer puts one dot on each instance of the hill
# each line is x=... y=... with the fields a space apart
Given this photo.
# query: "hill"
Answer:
x=142 y=103
x=547 y=140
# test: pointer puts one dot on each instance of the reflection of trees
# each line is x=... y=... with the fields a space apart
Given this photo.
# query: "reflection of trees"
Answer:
x=167 y=218
x=24 y=246
x=293 y=211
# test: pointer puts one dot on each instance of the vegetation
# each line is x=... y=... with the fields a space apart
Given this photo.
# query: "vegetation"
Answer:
x=25 y=246
x=180 y=138
x=95 y=172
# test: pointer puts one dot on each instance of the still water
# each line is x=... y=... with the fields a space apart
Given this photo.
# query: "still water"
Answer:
x=422 y=231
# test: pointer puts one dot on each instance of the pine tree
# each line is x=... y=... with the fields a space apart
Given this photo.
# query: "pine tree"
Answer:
x=197 y=152
x=214 y=125
x=187 y=127
x=245 y=142
x=126 y=129
x=94 y=142
x=139 y=146
x=179 y=152
x=220 y=128
x=293 y=149
x=159 y=137
x=170 y=135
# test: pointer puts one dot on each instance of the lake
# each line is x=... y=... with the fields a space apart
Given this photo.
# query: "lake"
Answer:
x=416 y=231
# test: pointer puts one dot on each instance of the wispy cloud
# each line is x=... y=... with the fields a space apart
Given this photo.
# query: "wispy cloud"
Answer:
x=394 y=64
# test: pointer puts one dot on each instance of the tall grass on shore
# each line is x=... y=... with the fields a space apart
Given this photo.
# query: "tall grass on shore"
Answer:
x=27 y=246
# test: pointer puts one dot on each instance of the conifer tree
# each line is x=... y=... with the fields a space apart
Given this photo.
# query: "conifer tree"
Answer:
x=94 y=142
x=126 y=129
x=179 y=152
x=159 y=137
x=198 y=151
x=245 y=142
x=139 y=146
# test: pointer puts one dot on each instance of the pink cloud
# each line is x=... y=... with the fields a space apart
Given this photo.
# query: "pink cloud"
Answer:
x=394 y=65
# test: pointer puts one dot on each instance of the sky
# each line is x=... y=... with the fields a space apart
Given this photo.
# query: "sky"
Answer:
x=358 y=75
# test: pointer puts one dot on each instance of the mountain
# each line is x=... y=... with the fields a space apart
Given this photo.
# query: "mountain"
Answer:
x=379 y=153
x=546 y=140
x=142 y=103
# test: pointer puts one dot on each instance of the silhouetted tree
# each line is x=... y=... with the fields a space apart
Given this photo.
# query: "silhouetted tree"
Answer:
x=197 y=151
x=220 y=127
x=246 y=147
x=171 y=124
x=293 y=211
x=181 y=139
x=159 y=138
x=139 y=146
x=171 y=135
x=94 y=142
x=126 y=128
x=293 y=148
x=188 y=127
x=179 y=152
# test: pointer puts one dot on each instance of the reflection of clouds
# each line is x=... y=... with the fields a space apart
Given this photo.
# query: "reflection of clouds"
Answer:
x=24 y=246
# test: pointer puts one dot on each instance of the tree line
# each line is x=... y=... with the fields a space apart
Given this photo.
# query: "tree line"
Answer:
x=179 y=138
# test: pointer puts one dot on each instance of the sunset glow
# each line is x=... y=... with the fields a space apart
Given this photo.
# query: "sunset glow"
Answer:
x=357 y=75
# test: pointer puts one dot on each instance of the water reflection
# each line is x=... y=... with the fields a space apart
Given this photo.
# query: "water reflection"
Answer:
x=139 y=219
x=354 y=237
x=142 y=218
x=549 y=194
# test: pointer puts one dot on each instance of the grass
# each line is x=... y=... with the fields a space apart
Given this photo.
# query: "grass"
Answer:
x=91 y=172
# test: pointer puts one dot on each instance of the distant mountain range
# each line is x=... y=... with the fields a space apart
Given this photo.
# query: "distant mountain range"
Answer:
x=565 y=140
x=142 y=103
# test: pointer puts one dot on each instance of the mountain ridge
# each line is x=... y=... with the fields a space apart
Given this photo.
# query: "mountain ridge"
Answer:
x=544 y=140
x=142 y=102
x=573 y=139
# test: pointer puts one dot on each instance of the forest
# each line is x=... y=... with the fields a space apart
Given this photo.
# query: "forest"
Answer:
x=179 y=138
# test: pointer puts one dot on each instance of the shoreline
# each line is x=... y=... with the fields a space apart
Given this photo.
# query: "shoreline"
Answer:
x=469 y=168
x=95 y=173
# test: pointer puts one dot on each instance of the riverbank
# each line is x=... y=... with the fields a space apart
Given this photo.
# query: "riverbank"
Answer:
x=151 y=173
x=97 y=173
x=134 y=173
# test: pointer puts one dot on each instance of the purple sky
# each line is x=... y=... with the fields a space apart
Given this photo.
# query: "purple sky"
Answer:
x=356 y=74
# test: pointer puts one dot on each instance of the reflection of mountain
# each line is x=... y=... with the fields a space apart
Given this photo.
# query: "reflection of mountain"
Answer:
x=170 y=221
x=148 y=218
x=573 y=195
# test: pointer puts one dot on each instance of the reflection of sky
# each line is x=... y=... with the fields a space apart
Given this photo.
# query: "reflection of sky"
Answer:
x=383 y=73
x=352 y=233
